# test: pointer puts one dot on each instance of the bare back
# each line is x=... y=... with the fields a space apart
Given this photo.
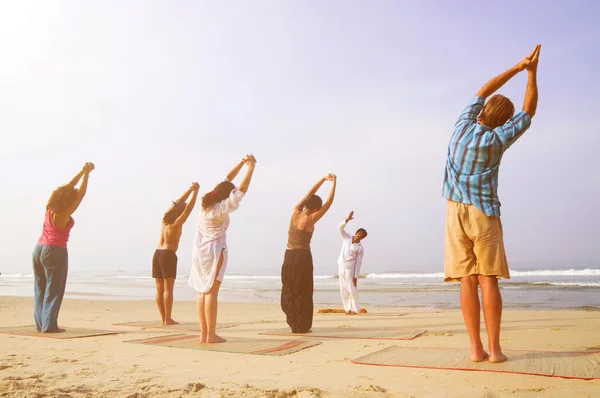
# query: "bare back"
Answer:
x=303 y=221
x=169 y=236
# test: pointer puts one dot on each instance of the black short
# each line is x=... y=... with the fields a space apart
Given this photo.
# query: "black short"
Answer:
x=164 y=264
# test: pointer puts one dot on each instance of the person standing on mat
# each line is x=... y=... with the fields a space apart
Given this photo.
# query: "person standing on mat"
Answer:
x=349 y=263
x=474 y=245
x=210 y=247
x=297 y=269
x=164 y=262
x=50 y=256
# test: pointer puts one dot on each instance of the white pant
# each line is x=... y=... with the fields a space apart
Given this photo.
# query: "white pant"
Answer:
x=348 y=290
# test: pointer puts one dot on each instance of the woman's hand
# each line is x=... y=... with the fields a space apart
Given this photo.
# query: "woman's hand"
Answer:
x=250 y=160
x=89 y=166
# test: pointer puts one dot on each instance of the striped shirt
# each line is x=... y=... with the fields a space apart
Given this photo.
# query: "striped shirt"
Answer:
x=474 y=156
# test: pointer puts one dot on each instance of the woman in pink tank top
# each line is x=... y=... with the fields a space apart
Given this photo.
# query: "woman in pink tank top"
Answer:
x=50 y=257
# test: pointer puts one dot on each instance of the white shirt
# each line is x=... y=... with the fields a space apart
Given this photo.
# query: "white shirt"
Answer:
x=352 y=253
x=210 y=240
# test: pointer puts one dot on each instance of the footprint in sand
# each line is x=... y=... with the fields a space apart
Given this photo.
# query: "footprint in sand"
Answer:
x=2 y=367
x=371 y=387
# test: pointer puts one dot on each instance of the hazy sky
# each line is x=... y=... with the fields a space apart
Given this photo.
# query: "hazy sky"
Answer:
x=162 y=93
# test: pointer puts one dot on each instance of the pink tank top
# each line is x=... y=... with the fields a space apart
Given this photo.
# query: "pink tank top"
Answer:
x=55 y=236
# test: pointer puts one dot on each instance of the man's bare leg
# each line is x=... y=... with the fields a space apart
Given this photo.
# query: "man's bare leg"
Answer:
x=202 y=317
x=492 y=312
x=469 y=303
x=160 y=302
x=168 y=299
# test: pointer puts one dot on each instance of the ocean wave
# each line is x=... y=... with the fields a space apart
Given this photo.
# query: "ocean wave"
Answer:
x=558 y=272
x=577 y=284
x=399 y=275
x=17 y=276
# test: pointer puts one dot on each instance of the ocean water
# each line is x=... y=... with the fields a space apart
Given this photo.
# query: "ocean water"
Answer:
x=527 y=289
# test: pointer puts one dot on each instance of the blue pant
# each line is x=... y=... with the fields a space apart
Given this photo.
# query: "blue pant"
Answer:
x=50 y=265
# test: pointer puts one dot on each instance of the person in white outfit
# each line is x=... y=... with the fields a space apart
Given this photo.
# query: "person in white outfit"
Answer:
x=210 y=248
x=349 y=264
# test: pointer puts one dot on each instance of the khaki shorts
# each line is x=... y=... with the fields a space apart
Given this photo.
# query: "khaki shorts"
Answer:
x=474 y=244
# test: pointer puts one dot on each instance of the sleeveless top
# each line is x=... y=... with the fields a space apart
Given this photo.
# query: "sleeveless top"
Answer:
x=298 y=239
x=53 y=236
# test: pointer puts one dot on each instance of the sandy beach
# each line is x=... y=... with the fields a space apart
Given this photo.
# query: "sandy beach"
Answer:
x=104 y=366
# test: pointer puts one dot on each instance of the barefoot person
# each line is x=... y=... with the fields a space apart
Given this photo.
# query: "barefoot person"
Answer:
x=210 y=247
x=297 y=269
x=474 y=248
x=50 y=257
x=349 y=264
x=164 y=262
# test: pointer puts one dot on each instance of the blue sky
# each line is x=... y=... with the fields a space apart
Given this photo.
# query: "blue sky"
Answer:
x=159 y=94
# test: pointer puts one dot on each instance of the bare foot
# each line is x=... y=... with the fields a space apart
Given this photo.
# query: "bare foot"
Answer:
x=351 y=313
x=215 y=339
x=497 y=358
x=170 y=322
x=479 y=357
x=58 y=330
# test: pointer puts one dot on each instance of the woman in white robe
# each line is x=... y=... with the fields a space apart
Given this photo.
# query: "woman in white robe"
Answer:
x=210 y=248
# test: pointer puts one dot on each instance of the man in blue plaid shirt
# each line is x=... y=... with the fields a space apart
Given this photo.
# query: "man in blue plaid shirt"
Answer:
x=474 y=247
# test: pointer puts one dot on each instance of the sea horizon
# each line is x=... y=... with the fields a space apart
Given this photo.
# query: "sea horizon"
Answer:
x=562 y=288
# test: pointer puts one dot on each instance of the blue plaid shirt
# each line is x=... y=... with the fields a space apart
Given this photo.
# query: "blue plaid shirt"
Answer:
x=474 y=156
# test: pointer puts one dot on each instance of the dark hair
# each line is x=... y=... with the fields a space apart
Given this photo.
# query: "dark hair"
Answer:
x=221 y=192
x=314 y=202
x=174 y=212
x=61 y=198
x=363 y=230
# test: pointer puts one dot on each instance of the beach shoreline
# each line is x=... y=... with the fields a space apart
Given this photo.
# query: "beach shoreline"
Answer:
x=104 y=366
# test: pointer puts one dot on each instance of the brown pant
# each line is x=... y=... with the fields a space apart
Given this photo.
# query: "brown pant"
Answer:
x=474 y=244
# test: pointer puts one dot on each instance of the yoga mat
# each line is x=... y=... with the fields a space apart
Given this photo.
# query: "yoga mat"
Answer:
x=361 y=313
x=70 y=333
x=570 y=365
x=183 y=326
x=237 y=345
x=354 y=333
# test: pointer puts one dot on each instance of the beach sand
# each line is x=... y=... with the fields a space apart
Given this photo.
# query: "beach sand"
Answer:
x=104 y=366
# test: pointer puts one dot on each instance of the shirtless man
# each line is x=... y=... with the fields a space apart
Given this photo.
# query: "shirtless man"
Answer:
x=164 y=263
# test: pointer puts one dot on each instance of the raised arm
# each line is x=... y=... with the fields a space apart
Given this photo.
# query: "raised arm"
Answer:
x=76 y=179
x=494 y=85
x=251 y=162
x=190 y=206
x=342 y=226
x=316 y=216
x=81 y=191
x=236 y=169
x=187 y=193
x=531 y=94
x=310 y=193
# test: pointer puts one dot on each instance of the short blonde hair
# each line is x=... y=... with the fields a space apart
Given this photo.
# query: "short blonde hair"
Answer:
x=497 y=111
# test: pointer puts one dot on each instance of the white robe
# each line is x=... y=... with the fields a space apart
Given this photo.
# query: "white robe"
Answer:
x=349 y=263
x=210 y=241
